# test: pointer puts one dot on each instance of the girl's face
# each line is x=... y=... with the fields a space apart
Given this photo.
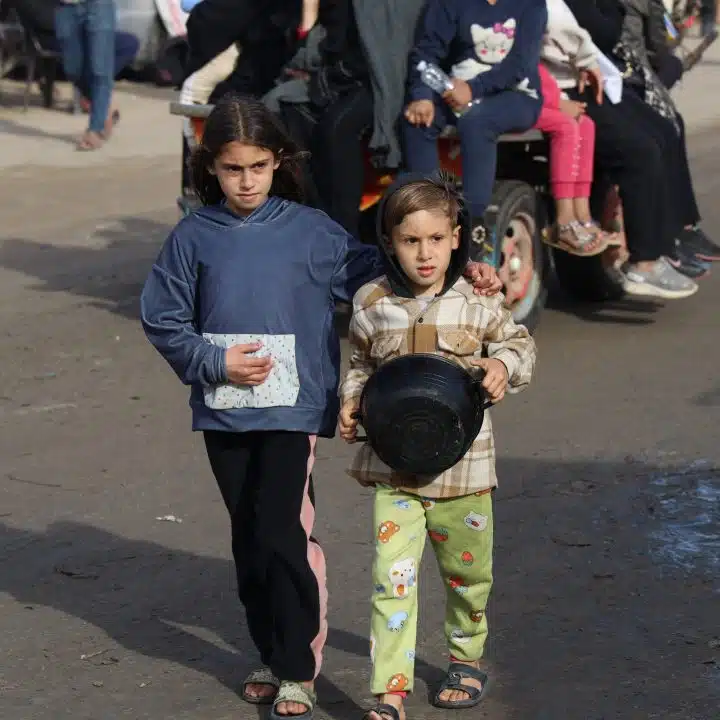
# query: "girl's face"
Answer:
x=245 y=173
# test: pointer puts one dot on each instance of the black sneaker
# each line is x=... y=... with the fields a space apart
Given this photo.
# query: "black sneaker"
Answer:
x=686 y=262
x=696 y=242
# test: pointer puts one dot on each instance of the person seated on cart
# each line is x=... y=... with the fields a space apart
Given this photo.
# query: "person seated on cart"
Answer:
x=493 y=50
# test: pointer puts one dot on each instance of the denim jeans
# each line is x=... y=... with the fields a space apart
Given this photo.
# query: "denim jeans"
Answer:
x=86 y=33
x=479 y=129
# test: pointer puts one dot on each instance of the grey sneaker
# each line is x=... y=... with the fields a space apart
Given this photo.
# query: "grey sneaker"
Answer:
x=663 y=281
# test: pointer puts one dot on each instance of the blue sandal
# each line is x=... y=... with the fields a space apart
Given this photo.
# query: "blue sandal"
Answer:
x=453 y=681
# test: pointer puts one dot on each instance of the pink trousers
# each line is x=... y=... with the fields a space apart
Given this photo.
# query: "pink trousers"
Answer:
x=572 y=146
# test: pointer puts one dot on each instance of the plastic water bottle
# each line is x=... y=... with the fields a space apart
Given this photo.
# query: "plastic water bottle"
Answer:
x=434 y=77
x=438 y=80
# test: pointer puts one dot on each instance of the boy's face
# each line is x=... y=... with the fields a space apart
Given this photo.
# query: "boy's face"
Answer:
x=423 y=243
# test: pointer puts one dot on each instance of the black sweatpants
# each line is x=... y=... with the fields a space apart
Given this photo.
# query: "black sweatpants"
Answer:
x=264 y=478
x=639 y=151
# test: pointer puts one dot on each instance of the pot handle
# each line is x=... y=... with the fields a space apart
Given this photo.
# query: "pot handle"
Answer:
x=360 y=438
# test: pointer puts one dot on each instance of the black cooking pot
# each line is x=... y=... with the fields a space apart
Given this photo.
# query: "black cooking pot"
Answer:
x=422 y=413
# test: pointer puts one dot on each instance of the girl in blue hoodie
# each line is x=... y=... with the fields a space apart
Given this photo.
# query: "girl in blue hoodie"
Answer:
x=492 y=50
x=240 y=302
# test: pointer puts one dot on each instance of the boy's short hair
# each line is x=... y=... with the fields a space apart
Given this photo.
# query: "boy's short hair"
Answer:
x=432 y=193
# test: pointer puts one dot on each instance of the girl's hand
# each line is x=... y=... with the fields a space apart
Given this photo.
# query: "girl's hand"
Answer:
x=484 y=278
x=245 y=370
x=572 y=108
x=460 y=96
x=420 y=112
x=496 y=378
x=593 y=78
x=348 y=423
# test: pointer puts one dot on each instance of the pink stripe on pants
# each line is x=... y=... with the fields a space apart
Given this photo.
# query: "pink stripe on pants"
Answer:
x=316 y=560
x=572 y=146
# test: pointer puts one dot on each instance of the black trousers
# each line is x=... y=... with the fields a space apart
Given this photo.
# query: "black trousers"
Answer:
x=638 y=150
x=265 y=483
x=335 y=138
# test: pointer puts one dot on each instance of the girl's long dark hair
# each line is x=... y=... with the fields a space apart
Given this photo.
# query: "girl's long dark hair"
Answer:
x=244 y=119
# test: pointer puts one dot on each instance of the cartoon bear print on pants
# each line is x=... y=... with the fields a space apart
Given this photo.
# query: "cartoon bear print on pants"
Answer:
x=397 y=683
x=402 y=577
x=386 y=530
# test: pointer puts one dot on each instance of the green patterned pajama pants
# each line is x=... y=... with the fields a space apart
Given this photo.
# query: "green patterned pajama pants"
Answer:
x=461 y=532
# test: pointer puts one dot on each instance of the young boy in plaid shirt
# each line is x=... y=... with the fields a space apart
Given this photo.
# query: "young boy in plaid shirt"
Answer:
x=423 y=305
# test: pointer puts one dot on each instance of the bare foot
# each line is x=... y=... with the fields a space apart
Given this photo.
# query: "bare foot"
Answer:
x=90 y=141
x=395 y=700
x=459 y=695
x=260 y=690
x=293 y=708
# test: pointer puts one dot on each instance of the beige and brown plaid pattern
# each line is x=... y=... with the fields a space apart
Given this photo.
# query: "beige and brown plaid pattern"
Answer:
x=457 y=325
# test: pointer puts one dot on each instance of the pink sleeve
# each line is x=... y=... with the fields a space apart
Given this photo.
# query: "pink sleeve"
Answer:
x=550 y=89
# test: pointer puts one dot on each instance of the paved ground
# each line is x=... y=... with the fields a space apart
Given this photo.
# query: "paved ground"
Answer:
x=608 y=546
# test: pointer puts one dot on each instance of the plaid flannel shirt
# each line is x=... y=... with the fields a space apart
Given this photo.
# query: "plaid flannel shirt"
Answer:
x=457 y=325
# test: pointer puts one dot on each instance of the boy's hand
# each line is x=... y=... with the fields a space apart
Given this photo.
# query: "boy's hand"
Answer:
x=460 y=96
x=572 y=108
x=420 y=112
x=484 y=278
x=245 y=370
x=349 y=423
x=496 y=378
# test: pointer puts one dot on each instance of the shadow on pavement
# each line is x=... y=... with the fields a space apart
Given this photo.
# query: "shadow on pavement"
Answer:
x=605 y=596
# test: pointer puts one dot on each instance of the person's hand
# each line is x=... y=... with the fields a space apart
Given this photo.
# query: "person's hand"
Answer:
x=243 y=369
x=573 y=108
x=460 y=96
x=420 y=112
x=348 y=421
x=484 y=278
x=592 y=77
x=496 y=378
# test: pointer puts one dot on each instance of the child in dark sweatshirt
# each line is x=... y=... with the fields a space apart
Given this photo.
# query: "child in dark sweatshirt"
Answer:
x=492 y=51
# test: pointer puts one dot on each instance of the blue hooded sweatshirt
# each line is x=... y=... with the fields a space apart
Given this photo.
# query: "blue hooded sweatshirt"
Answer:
x=492 y=47
x=273 y=277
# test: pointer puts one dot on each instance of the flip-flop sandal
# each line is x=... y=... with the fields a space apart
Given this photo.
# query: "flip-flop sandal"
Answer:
x=382 y=709
x=453 y=681
x=90 y=141
x=582 y=246
x=263 y=676
x=292 y=692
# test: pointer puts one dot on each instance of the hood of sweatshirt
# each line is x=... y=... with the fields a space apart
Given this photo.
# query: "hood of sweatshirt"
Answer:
x=396 y=276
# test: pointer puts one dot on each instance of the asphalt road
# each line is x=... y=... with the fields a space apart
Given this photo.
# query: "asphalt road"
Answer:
x=608 y=529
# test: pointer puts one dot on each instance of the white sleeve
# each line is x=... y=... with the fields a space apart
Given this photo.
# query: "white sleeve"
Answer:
x=565 y=33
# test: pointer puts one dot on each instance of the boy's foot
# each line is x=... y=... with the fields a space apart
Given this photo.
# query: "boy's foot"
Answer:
x=454 y=695
x=384 y=709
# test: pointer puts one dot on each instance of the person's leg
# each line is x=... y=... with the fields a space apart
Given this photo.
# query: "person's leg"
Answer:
x=400 y=529
x=294 y=578
x=231 y=459
x=69 y=29
x=420 y=143
x=126 y=50
x=338 y=160
x=627 y=153
x=479 y=129
x=565 y=148
x=463 y=546
x=101 y=57
x=633 y=159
